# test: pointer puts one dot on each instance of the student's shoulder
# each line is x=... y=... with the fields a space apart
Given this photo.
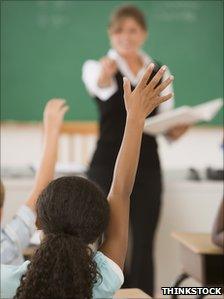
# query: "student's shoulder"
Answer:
x=10 y=278
x=111 y=276
x=105 y=262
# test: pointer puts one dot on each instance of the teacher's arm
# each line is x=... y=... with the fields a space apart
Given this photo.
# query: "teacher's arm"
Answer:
x=98 y=77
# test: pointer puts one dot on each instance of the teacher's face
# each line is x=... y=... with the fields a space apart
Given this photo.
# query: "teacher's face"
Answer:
x=127 y=37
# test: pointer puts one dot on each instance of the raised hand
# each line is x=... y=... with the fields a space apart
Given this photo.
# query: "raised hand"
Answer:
x=139 y=103
x=145 y=97
x=54 y=112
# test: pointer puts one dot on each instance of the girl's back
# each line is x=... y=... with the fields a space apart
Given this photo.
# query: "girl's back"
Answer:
x=109 y=281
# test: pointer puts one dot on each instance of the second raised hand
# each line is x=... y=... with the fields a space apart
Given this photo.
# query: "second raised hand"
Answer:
x=54 y=113
x=146 y=97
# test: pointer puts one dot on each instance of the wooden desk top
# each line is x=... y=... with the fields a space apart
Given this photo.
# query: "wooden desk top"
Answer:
x=131 y=293
x=198 y=242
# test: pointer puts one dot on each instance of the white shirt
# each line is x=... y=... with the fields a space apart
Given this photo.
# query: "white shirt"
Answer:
x=91 y=72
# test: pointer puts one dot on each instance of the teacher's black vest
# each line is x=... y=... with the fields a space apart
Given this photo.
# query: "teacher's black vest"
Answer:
x=112 y=123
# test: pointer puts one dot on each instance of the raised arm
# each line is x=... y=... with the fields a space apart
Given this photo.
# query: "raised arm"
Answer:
x=16 y=235
x=139 y=103
x=53 y=117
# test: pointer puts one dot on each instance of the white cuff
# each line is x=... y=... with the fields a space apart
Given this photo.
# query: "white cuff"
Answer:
x=90 y=75
x=106 y=92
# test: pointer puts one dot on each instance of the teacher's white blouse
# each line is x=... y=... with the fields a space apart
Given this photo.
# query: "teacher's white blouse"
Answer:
x=91 y=71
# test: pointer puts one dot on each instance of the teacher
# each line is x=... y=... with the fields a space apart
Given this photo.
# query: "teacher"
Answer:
x=104 y=81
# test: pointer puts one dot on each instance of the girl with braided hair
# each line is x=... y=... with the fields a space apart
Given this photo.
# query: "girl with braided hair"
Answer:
x=73 y=213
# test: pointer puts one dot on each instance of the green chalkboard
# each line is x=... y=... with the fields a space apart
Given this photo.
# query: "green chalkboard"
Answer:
x=45 y=43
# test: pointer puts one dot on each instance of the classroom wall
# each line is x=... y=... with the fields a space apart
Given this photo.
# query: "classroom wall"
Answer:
x=199 y=147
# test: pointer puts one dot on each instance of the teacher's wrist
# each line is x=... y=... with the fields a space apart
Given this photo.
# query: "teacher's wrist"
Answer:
x=104 y=81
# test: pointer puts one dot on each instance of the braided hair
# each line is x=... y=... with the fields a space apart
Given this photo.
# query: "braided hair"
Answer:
x=73 y=213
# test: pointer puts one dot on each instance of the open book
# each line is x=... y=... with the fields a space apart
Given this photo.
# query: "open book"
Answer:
x=183 y=115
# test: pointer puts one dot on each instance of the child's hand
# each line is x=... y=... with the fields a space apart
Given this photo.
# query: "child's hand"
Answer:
x=54 y=112
x=145 y=98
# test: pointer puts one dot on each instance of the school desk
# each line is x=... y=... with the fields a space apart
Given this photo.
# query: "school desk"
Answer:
x=200 y=258
x=130 y=293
